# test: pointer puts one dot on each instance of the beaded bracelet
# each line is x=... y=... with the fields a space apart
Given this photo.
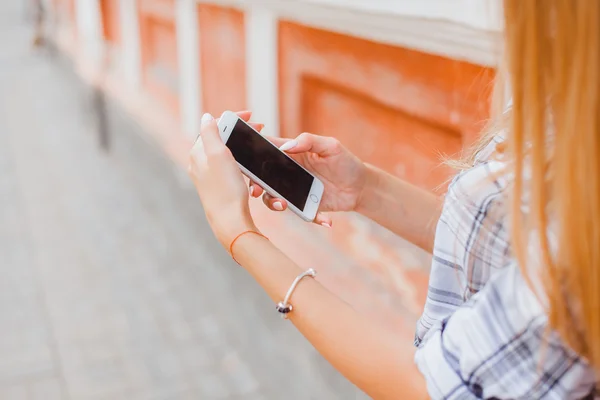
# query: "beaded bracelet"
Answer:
x=284 y=307
x=239 y=236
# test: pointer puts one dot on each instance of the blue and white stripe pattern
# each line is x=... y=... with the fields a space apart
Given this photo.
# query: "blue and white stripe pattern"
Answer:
x=483 y=332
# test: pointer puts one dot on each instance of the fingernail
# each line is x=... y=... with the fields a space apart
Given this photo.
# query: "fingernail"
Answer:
x=278 y=206
x=251 y=190
x=206 y=118
x=288 y=145
x=325 y=224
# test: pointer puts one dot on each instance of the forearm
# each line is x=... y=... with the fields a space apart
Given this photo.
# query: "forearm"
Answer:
x=369 y=356
x=403 y=208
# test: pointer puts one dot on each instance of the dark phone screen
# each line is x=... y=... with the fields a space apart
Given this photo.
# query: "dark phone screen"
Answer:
x=273 y=167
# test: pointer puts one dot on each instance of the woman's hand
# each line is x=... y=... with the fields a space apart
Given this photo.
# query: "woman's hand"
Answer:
x=342 y=173
x=219 y=182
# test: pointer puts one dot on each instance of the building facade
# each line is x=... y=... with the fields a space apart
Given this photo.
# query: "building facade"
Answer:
x=399 y=82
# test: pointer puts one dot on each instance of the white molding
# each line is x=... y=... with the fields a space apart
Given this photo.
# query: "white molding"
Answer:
x=131 y=55
x=440 y=37
x=262 y=67
x=469 y=33
x=479 y=14
x=88 y=19
x=188 y=50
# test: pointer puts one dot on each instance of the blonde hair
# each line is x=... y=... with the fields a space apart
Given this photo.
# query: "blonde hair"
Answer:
x=552 y=50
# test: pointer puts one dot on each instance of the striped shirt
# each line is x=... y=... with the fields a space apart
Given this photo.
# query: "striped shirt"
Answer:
x=482 y=334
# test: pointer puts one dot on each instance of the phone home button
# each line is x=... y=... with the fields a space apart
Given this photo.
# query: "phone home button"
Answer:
x=314 y=198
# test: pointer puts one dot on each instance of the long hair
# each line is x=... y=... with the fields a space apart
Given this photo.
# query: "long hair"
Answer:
x=552 y=53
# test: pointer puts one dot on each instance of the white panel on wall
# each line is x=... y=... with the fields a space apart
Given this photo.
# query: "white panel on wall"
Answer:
x=130 y=42
x=189 y=65
x=461 y=29
x=89 y=25
x=261 y=71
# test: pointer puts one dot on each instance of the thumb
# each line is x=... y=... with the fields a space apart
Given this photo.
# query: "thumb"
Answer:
x=209 y=132
x=307 y=142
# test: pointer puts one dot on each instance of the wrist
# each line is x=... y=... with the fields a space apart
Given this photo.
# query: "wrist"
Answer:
x=230 y=228
x=368 y=190
x=240 y=236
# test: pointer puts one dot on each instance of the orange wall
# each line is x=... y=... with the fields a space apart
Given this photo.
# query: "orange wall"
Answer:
x=222 y=58
x=159 y=51
x=66 y=13
x=66 y=6
x=111 y=28
x=396 y=108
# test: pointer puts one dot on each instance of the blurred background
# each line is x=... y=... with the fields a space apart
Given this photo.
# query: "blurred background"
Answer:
x=112 y=285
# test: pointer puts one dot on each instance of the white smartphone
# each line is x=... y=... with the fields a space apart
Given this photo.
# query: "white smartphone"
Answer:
x=276 y=172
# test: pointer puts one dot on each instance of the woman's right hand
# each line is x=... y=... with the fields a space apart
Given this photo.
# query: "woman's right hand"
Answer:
x=343 y=174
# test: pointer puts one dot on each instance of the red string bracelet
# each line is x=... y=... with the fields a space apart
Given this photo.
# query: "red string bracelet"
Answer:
x=239 y=236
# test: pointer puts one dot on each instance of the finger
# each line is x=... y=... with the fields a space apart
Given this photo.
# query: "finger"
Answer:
x=209 y=133
x=323 y=220
x=254 y=189
x=274 y=204
x=197 y=155
x=256 y=126
x=277 y=141
x=322 y=145
x=245 y=115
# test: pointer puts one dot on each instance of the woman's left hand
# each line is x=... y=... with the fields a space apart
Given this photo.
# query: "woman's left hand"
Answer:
x=220 y=183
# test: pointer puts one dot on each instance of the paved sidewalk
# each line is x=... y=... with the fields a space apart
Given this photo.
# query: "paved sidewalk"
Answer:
x=112 y=285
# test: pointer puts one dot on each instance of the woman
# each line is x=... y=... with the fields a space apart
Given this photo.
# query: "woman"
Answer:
x=513 y=309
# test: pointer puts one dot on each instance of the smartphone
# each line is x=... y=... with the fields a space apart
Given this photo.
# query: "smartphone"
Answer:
x=276 y=172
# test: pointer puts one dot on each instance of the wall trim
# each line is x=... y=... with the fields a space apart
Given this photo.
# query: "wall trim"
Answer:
x=88 y=19
x=479 y=14
x=130 y=43
x=457 y=39
x=188 y=52
x=262 y=77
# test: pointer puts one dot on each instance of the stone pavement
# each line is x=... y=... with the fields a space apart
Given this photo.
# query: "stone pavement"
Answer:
x=111 y=284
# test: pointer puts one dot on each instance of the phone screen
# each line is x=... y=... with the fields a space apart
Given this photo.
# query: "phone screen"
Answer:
x=269 y=164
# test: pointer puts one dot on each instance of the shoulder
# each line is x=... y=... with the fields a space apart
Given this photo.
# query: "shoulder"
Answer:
x=492 y=149
x=471 y=242
x=475 y=191
x=497 y=345
x=473 y=217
